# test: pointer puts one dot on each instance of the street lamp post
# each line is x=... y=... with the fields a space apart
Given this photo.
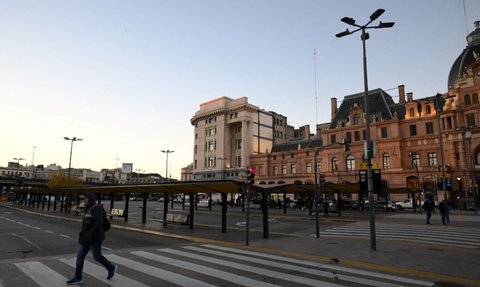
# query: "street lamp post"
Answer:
x=74 y=139
x=18 y=159
x=166 y=167
x=67 y=209
x=439 y=101
x=468 y=136
x=368 y=146
x=33 y=161
x=414 y=159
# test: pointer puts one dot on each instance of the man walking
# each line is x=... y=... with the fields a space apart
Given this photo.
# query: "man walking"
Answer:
x=443 y=211
x=90 y=238
x=428 y=207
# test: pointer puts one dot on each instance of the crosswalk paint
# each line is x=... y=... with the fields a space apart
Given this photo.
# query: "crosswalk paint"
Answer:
x=100 y=273
x=157 y=272
x=458 y=237
x=305 y=272
x=227 y=276
x=318 y=272
x=43 y=275
x=320 y=265
x=252 y=269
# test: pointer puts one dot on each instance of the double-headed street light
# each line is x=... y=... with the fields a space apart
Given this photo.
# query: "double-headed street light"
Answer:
x=368 y=146
x=74 y=139
x=166 y=167
x=18 y=159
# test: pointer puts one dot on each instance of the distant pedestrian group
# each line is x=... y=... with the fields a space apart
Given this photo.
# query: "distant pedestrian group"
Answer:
x=429 y=206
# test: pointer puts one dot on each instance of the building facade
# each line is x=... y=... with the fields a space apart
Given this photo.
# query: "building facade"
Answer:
x=405 y=136
x=227 y=132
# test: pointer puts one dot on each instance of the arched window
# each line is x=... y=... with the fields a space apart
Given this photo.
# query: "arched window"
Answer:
x=356 y=119
x=475 y=98
x=478 y=157
x=467 y=100
x=334 y=164
x=350 y=162
x=386 y=160
x=428 y=109
x=412 y=112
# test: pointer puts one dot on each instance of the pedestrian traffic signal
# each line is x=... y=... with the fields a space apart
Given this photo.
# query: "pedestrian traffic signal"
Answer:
x=251 y=175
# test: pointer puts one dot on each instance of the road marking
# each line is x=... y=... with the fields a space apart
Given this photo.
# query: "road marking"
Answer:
x=26 y=239
x=253 y=269
x=49 y=231
x=63 y=235
x=157 y=272
x=312 y=264
x=227 y=276
x=99 y=273
x=106 y=248
x=42 y=274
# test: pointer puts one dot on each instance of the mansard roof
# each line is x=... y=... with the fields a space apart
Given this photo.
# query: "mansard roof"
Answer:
x=380 y=103
x=296 y=145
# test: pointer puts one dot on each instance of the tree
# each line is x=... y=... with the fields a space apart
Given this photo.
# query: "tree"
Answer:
x=60 y=180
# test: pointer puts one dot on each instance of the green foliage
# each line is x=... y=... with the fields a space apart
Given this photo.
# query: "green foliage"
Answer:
x=60 y=180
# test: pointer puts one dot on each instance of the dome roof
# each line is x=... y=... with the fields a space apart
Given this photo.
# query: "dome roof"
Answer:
x=469 y=55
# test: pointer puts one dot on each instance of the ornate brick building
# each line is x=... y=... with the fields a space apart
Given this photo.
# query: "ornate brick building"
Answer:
x=405 y=135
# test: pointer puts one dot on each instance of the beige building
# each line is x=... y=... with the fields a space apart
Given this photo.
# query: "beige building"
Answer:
x=227 y=132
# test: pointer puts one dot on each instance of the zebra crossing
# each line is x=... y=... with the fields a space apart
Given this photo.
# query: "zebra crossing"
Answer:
x=207 y=265
x=442 y=235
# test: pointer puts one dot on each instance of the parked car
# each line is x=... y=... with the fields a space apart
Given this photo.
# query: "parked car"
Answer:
x=386 y=205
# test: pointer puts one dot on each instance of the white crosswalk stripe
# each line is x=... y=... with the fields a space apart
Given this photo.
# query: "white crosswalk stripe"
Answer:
x=241 y=280
x=98 y=272
x=157 y=272
x=41 y=274
x=451 y=236
x=321 y=265
x=210 y=265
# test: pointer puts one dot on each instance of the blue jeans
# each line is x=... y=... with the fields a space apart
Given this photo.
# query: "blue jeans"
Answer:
x=97 y=255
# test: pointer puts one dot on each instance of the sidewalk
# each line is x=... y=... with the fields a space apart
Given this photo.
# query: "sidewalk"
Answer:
x=422 y=261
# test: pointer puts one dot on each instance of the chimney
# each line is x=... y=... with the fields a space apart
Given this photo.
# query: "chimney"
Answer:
x=307 y=132
x=410 y=97
x=333 y=102
x=401 y=94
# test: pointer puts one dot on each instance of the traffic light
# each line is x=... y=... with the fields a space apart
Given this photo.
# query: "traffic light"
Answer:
x=321 y=179
x=251 y=175
x=448 y=183
x=346 y=144
x=439 y=183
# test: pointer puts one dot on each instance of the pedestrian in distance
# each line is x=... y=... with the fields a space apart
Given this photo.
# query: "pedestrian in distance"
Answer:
x=428 y=206
x=90 y=238
x=325 y=207
x=442 y=207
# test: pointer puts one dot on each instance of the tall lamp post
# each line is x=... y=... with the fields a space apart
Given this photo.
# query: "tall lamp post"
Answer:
x=166 y=167
x=414 y=159
x=473 y=184
x=368 y=146
x=18 y=159
x=74 y=139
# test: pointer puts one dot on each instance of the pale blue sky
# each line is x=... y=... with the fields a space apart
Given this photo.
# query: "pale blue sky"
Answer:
x=127 y=76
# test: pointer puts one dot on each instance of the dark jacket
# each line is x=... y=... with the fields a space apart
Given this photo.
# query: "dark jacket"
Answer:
x=92 y=225
x=428 y=206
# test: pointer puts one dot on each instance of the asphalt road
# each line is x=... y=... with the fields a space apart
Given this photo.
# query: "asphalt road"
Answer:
x=24 y=236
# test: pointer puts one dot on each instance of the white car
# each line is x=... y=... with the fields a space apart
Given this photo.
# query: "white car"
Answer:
x=386 y=205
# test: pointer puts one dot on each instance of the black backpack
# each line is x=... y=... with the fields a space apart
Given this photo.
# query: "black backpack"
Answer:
x=106 y=222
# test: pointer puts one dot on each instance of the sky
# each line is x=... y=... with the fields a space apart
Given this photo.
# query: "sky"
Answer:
x=126 y=76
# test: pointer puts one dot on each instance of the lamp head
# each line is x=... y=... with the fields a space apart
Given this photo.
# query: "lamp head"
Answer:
x=386 y=24
x=348 y=20
x=342 y=34
x=376 y=14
